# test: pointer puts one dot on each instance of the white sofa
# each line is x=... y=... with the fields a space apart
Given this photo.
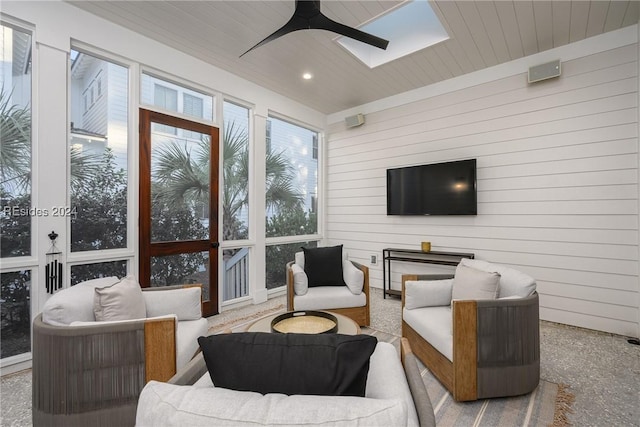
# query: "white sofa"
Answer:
x=478 y=347
x=394 y=397
x=88 y=372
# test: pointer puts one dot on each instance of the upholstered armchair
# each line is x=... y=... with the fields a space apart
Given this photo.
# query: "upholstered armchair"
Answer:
x=88 y=372
x=343 y=284
x=477 y=331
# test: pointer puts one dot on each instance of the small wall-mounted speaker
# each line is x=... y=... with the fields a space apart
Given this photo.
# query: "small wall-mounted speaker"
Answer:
x=544 y=71
x=354 y=121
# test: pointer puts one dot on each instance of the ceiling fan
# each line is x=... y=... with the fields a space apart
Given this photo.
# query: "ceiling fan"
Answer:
x=307 y=16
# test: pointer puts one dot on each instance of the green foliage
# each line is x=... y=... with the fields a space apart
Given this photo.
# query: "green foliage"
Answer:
x=235 y=196
x=15 y=223
x=171 y=223
x=291 y=222
x=100 y=204
x=15 y=146
x=80 y=273
x=15 y=305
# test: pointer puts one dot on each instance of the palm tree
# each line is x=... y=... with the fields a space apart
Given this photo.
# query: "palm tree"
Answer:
x=15 y=146
x=15 y=151
x=182 y=175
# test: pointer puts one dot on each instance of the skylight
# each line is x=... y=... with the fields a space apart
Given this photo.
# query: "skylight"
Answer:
x=409 y=28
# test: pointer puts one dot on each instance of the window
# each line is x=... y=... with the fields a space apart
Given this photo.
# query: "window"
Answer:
x=235 y=202
x=175 y=97
x=193 y=106
x=315 y=147
x=291 y=191
x=98 y=157
x=236 y=273
x=167 y=99
x=15 y=143
x=268 y=138
x=291 y=181
x=15 y=191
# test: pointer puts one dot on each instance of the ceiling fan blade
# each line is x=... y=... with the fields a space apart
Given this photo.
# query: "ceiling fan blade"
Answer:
x=307 y=15
x=321 y=22
x=294 y=24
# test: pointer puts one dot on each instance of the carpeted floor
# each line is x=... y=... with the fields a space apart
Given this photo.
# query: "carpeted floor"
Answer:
x=602 y=371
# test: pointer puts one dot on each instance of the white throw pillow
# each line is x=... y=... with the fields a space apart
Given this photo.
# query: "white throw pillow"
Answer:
x=185 y=303
x=353 y=277
x=300 y=280
x=472 y=284
x=512 y=281
x=122 y=301
x=172 y=405
x=427 y=293
x=299 y=258
x=74 y=303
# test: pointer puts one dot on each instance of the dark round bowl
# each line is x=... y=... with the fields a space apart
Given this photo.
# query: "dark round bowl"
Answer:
x=303 y=313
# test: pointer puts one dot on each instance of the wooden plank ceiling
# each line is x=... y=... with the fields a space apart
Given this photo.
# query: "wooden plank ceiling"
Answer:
x=482 y=34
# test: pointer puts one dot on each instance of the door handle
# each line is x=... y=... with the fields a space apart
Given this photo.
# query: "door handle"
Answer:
x=215 y=245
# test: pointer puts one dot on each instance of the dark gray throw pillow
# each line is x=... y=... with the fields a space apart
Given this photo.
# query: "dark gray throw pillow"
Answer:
x=324 y=364
x=323 y=266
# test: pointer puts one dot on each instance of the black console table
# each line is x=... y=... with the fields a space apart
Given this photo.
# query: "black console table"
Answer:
x=413 y=255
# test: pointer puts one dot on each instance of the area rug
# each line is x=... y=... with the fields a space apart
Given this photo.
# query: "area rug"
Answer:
x=239 y=323
x=548 y=405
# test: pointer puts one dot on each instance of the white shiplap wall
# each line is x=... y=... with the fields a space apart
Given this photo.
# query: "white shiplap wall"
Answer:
x=557 y=184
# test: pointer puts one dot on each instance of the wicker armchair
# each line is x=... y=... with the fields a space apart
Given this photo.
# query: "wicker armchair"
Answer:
x=91 y=374
x=495 y=345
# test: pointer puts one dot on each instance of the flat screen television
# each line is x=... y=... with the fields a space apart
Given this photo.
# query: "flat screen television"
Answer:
x=434 y=189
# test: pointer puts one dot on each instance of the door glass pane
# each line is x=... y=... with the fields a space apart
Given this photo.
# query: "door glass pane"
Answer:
x=15 y=143
x=292 y=179
x=180 y=192
x=277 y=258
x=98 y=153
x=181 y=269
x=15 y=309
x=235 y=203
x=80 y=273
x=236 y=273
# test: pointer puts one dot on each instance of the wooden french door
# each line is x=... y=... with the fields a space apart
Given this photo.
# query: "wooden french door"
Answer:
x=179 y=204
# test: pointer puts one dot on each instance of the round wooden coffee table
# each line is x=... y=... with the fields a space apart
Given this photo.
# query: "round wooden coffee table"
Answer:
x=345 y=324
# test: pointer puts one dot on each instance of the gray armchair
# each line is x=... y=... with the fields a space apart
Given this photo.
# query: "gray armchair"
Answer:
x=491 y=347
x=89 y=373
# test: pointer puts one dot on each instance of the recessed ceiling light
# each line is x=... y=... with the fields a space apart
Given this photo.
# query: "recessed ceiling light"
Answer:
x=307 y=76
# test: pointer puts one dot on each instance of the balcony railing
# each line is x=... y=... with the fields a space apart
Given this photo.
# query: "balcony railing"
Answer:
x=236 y=275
